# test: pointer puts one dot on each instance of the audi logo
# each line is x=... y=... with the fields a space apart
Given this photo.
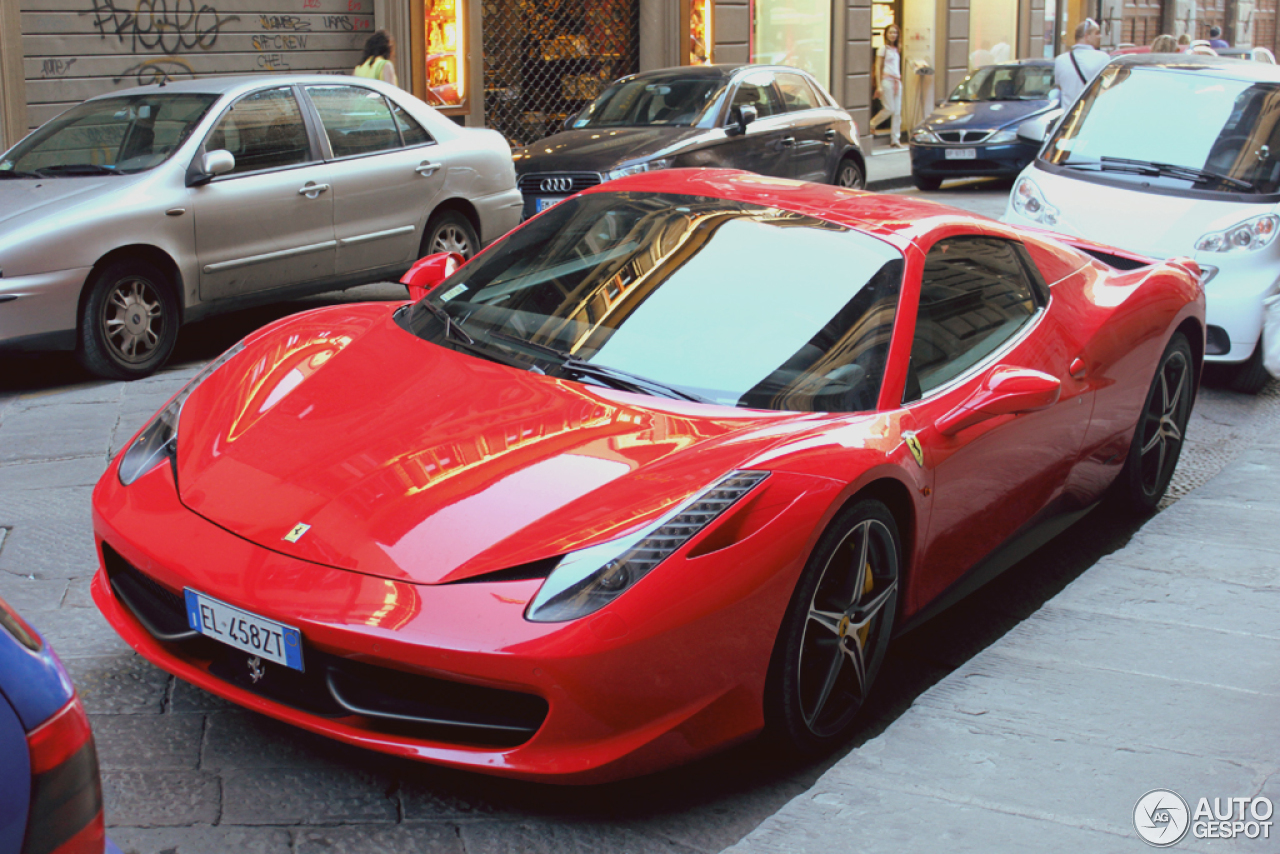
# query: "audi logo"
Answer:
x=556 y=185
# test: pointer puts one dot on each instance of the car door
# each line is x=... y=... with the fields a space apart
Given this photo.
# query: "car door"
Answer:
x=387 y=174
x=269 y=222
x=985 y=319
x=765 y=148
x=812 y=128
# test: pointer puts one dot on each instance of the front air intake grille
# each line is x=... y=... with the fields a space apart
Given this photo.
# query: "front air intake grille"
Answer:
x=557 y=183
x=962 y=136
x=384 y=699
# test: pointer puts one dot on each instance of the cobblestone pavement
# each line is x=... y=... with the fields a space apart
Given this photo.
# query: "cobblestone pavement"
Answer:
x=185 y=773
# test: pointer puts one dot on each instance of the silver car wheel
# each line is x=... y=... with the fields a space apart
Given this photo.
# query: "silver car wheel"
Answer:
x=451 y=238
x=849 y=176
x=133 y=319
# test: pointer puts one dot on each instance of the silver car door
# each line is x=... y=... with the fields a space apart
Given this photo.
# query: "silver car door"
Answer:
x=269 y=222
x=387 y=174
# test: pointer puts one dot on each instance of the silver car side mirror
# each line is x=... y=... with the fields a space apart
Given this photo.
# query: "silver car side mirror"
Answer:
x=218 y=162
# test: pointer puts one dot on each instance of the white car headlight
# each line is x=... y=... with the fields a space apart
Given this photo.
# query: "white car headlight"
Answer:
x=1256 y=233
x=923 y=134
x=158 y=441
x=637 y=168
x=1028 y=200
x=1002 y=136
x=587 y=580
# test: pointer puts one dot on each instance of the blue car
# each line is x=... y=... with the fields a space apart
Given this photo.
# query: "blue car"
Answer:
x=50 y=791
x=974 y=133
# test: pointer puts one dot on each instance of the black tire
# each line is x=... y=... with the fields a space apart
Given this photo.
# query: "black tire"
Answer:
x=925 y=183
x=834 y=635
x=1158 y=438
x=128 y=322
x=449 y=231
x=1250 y=376
x=850 y=175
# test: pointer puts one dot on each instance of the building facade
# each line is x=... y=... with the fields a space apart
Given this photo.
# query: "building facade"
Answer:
x=524 y=66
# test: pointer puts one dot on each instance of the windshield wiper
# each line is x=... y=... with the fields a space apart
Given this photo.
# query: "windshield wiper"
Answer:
x=1155 y=169
x=452 y=328
x=615 y=377
x=76 y=169
x=16 y=173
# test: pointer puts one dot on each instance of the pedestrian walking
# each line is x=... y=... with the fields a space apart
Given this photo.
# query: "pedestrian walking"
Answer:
x=888 y=82
x=1216 y=40
x=1073 y=69
x=376 y=62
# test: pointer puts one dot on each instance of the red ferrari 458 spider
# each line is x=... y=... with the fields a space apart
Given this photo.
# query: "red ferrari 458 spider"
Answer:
x=664 y=467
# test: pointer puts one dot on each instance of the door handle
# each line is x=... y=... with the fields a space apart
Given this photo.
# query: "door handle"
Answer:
x=788 y=142
x=1076 y=368
x=829 y=135
x=427 y=169
x=312 y=190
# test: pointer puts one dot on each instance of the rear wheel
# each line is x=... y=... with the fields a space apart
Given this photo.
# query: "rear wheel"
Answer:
x=836 y=630
x=849 y=175
x=1157 y=440
x=129 y=321
x=1250 y=376
x=449 y=231
x=925 y=183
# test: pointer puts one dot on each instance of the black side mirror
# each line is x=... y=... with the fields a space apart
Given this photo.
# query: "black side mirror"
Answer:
x=568 y=121
x=740 y=118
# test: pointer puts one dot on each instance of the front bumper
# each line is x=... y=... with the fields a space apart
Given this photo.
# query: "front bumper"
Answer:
x=38 y=312
x=650 y=681
x=1004 y=159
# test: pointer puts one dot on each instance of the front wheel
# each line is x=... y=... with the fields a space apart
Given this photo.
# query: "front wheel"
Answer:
x=129 y=321
x=1250 y=376
x=450 y=231
x=1158 y=438
x=836 y=630
x=849 y=175
x=925 y=183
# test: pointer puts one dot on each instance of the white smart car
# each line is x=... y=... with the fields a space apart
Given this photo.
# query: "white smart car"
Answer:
x=1165 y=155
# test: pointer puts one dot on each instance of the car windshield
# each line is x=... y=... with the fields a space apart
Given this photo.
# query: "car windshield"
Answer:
x=109 y=136
x=708 y=299
x=645 y=101
x=1006 y=83
x=1224 y=134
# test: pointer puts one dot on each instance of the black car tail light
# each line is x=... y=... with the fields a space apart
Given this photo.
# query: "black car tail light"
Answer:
x=66 y=792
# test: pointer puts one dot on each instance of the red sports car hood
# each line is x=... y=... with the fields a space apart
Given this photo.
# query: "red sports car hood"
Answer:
x=411 y=461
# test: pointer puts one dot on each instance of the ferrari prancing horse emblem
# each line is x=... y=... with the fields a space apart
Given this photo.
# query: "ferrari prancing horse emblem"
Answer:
x=917 y=450
x=297 y=532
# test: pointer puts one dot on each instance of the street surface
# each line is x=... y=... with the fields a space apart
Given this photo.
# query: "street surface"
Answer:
x=185 y=773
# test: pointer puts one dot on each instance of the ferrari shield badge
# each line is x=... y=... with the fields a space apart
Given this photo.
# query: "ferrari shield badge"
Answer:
x=297 y=532
x=917 y=450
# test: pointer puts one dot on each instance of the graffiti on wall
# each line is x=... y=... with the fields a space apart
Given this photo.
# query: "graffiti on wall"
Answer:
x=152 y=25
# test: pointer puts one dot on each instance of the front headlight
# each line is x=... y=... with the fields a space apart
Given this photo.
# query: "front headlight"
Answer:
x=1003 y=136
x=637 y=168
x=158 y=441
x=1256 y=233
x=923 y=134
x=1030 y=202
x=587 y=580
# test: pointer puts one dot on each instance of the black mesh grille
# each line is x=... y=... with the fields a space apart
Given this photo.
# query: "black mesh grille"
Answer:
x=560 y=183
x=963 y=135
x=381 y=698
x=546 y=59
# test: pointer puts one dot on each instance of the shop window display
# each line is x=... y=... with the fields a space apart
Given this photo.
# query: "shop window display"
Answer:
x=793 y=32
x=445 y=34
x=699 y=27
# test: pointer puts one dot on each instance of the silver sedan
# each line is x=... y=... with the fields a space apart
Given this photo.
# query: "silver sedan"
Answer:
x=138 y=211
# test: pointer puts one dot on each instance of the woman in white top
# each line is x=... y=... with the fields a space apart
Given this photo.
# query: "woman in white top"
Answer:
x=888 y=81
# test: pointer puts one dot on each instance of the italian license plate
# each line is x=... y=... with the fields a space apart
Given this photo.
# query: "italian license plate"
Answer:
x=543 y=204
x=961 y=154
x=243 y=630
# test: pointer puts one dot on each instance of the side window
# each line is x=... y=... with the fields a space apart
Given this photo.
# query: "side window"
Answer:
x=757 y=91
x=263 y=130
x=410 y=131
x=975 y=295
x=356 y=120
x=797 y=94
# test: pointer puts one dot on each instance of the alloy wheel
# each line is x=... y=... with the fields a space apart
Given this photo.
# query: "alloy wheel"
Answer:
x=451 y=238
x=1164 y=421
x=133 y=319
x=843 y=637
